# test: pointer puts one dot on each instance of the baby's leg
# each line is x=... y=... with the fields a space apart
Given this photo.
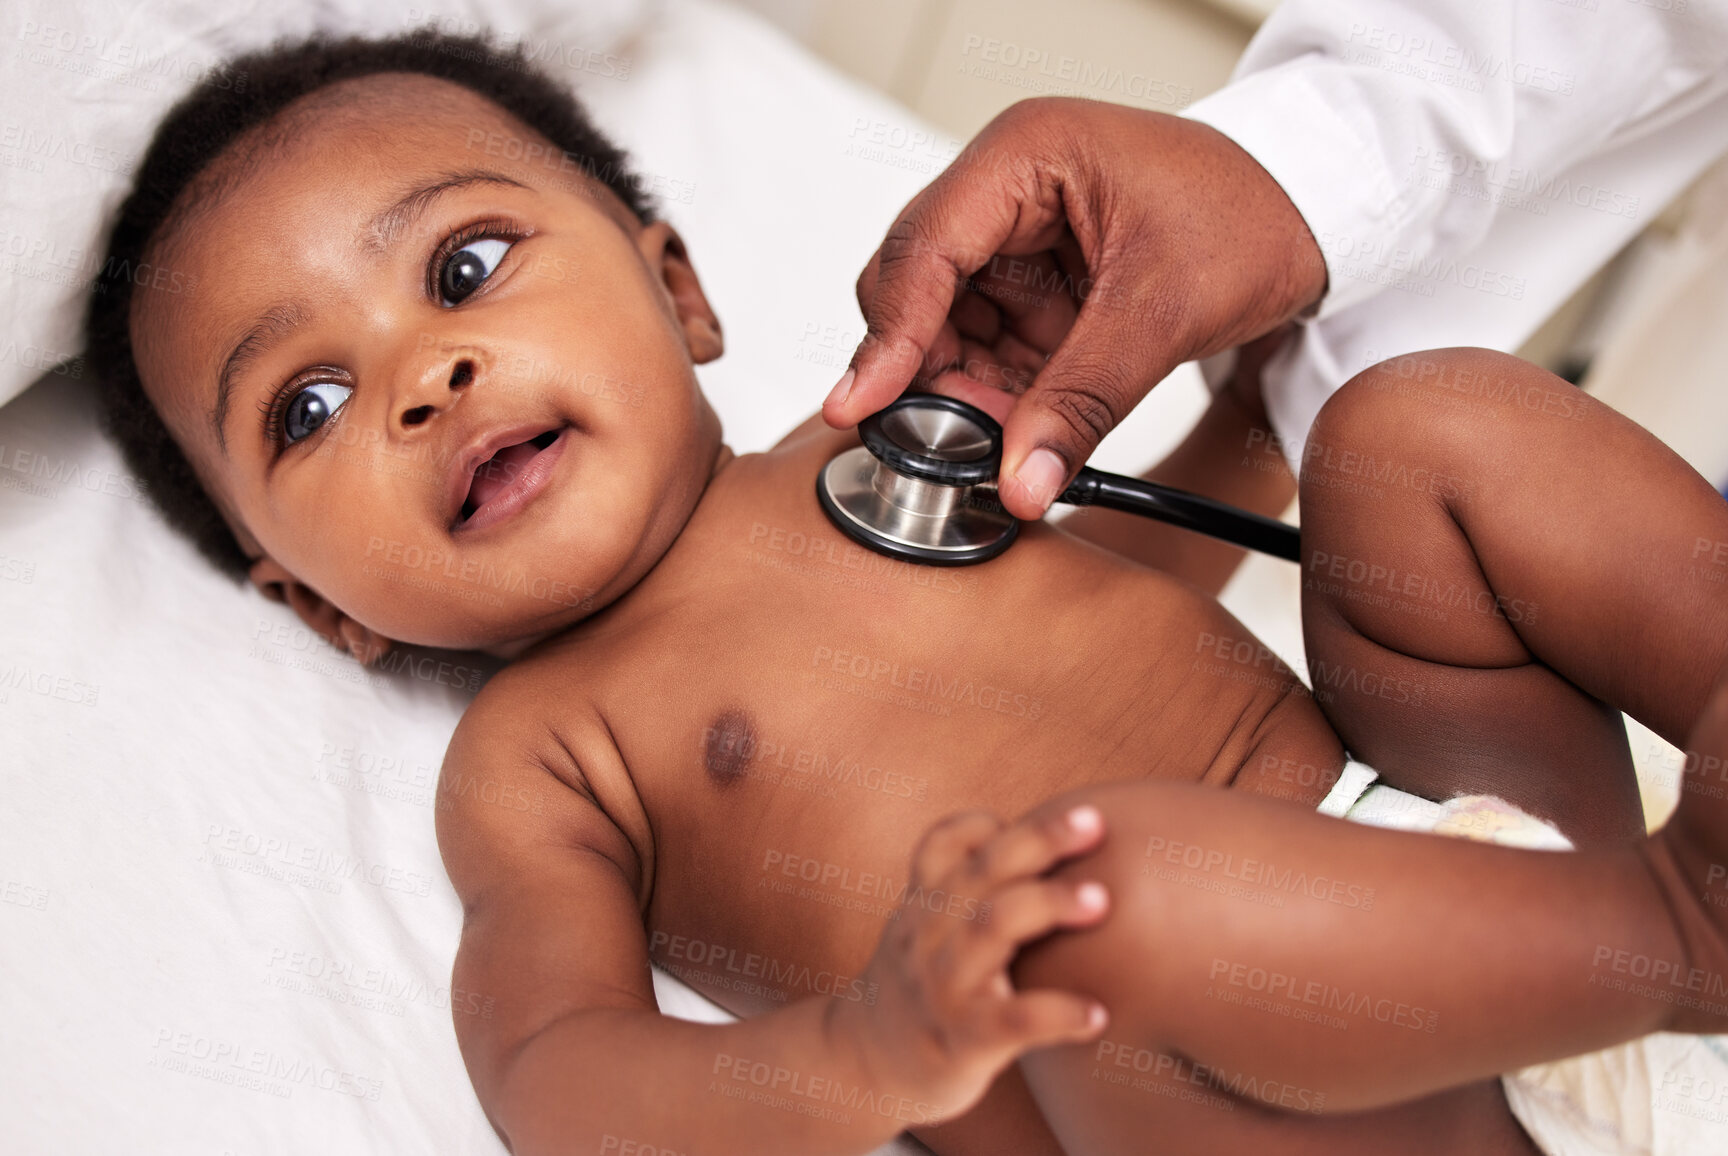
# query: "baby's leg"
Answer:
x=1258 y=958
x=1282 y=982
x=1260 y=963
x=1494 y=566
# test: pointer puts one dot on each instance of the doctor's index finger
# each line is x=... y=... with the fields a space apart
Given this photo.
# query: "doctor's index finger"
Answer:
x=947 y=233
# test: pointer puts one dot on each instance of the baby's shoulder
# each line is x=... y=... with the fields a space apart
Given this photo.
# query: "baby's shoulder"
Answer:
x=531 y=774
x=539 y=714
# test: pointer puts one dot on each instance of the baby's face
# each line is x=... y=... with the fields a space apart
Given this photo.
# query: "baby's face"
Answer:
x=450 y=391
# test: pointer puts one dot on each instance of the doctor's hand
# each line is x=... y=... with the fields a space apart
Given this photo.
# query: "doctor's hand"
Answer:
x=1073 y=255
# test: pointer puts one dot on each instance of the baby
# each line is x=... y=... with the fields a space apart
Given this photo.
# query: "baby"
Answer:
x=415 y=369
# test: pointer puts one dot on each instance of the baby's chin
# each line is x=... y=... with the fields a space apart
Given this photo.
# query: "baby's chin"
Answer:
x=538 y=608
x=514 y=648
x=503 y=640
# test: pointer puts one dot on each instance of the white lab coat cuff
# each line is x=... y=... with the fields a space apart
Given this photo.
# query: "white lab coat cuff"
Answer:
x=1336 y=180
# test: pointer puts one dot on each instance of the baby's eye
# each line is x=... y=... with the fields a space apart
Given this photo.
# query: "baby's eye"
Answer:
x=466 y=268
x=311 y=408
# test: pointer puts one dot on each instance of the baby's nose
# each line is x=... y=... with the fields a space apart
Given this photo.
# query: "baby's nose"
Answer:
x=461 y=374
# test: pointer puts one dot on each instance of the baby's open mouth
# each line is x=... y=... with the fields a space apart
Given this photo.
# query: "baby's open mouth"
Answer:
x=497 y=474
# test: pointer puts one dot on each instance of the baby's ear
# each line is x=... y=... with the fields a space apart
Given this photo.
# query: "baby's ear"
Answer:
x=664 y=250
x=277 y=584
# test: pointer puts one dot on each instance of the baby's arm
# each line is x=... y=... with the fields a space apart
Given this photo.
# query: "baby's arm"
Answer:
x=555 y=1009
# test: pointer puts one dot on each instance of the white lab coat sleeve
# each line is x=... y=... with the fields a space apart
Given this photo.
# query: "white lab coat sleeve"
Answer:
x=1371 y=113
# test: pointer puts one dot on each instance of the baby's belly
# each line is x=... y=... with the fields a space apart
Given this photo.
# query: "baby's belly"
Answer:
x=792 y=901
x=792 y=910
x=783 y=842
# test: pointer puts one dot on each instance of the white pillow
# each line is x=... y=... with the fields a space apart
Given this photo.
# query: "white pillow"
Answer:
x=84 y=85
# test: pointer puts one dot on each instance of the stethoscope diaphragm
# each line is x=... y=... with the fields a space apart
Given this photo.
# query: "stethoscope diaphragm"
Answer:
x=922 y=486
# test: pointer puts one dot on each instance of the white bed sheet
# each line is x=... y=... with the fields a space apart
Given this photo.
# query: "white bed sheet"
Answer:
x=224 y=927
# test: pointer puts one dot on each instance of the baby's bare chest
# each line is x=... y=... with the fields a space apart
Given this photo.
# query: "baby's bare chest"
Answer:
x=798 y=718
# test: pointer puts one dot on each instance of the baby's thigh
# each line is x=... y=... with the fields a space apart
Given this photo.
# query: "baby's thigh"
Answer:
x=1133 y=1101
x=1260 y=1082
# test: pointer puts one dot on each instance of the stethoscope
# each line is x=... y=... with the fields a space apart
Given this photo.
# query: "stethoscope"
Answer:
x=922 y=487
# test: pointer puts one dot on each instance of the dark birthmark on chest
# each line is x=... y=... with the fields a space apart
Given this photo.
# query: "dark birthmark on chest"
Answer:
x=728 y=745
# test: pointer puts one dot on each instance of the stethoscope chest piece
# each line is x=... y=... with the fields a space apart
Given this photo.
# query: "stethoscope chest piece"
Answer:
x=922 y=486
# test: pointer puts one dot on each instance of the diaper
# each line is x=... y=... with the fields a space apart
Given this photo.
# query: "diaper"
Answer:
x=1485 y=818
x=1662 y=1095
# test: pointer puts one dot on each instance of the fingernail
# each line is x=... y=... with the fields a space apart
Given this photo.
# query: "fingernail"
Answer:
x=1085 y=820
x=842 y=388
x=1091 y=896
x=1095 y=1016
x=1042 y=473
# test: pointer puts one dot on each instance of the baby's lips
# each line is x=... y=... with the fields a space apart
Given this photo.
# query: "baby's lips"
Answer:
x=497 y=472
x=479 y=450
x=513 y=478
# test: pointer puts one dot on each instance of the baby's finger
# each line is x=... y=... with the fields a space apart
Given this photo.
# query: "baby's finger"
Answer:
x=1020 y=913
x=1044 y=1017
x=949 y=843
x=1033 y=845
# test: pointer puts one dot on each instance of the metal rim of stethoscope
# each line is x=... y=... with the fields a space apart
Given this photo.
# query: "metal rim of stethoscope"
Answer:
x=922 y=486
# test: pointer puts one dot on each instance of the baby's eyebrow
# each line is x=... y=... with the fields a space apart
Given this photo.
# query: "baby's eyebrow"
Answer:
x=269 y=328
x=412 y=205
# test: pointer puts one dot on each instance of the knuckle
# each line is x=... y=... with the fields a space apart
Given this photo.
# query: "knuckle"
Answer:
x=1018 y=1018
x=863 y=288
x=924 y=857
x=965 y=823
x=910 y=240
x=941 y=963
x=1060 y=896
x=1165 y=307
x=1053 y=825
x=986 y=860
x=1087 y=415
x=1035 y=113
x=982 y=923
x=951 y=842
x=949 y=1038
x=1019 y=112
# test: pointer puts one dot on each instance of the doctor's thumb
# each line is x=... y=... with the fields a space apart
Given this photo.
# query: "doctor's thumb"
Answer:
x=1082 y=393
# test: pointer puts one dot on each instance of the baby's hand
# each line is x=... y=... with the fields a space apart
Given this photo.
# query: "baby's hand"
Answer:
x=947 y=1018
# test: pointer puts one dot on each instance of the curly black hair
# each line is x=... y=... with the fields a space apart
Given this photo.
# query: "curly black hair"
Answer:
x=254 y=88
